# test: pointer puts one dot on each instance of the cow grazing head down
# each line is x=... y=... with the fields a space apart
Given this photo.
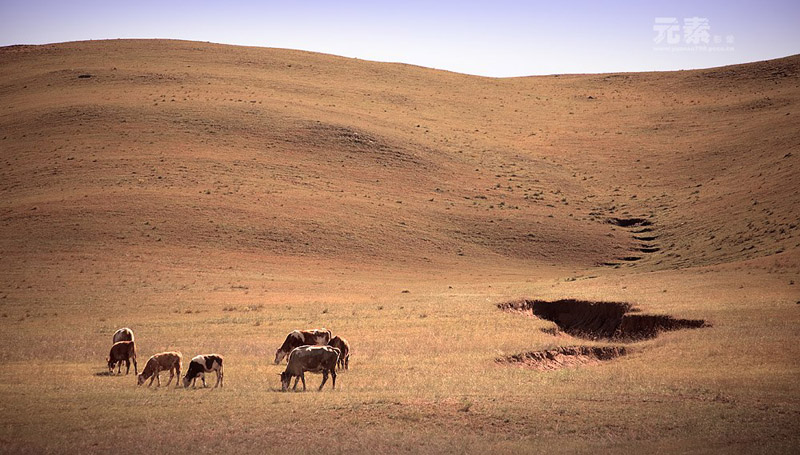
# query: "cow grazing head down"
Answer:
x=286 y=377
x=279 y=355
x=202 y=364
x=297 y=338
x=187 y=380
x=293 y=339
x=313 y=359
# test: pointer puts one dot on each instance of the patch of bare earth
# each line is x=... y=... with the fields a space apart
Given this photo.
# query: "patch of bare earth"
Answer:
x=564 y=357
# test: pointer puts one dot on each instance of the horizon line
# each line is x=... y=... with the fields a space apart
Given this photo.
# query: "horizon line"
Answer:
x=390 y=62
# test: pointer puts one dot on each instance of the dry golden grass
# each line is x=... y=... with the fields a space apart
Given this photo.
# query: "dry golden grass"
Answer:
x=213 y=198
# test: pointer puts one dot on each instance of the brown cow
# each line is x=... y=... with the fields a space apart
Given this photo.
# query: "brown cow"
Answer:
x=122 y=351
x=169 y=361
x=298 y=338
x=316 y=359
x=123 y=334
x=344 y=347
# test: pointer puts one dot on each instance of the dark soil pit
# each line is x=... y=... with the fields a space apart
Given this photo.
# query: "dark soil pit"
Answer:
x=564 y=357
x=631 y=258
x=601 y=320
x=628 y=222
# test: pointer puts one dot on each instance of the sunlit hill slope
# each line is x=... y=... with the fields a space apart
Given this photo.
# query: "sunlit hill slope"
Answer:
x=190 y=149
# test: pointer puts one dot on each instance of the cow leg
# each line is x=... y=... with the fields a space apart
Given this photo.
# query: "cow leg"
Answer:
x=303 y=378
x=158 y=377
x=152 y=378
x=333 y=378
x=127 y=366
x=296 y=380
x=119 y=366
x=135 y=366
x=324 y=378
x=219 y=379
x=203 y=377
x=171 y=375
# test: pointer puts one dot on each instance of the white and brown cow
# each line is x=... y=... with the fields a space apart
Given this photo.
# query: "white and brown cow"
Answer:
x=202 y=364
x=344 y=348
x=122 y=351
x=165 y=361
x=298 y=338
x=314 y=359
x=123 y=334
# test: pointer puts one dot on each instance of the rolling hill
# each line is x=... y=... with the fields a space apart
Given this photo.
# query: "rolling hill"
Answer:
x=215 y=197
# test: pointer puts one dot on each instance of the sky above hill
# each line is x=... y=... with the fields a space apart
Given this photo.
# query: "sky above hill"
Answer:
x=497 y=38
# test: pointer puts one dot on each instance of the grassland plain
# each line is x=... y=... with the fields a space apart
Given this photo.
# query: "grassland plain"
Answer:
x=213 y=198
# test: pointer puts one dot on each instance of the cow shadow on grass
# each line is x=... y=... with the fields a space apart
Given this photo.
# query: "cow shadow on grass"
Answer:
x=106 y=373
x=299 y=390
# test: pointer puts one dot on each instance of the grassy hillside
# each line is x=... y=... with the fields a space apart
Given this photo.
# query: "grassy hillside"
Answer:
x=214 y=198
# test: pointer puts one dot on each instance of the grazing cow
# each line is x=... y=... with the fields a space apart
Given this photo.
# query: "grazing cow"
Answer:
x=165 y=361
x=122 y=351
x=344 y=347
x=298 y=338
x=202 y=364
x=123 y=334
x=315 y=359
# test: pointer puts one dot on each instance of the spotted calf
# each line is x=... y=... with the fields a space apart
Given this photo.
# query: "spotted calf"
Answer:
x=202 y=364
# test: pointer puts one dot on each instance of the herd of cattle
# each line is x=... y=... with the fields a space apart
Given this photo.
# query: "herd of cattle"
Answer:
x=313 y=351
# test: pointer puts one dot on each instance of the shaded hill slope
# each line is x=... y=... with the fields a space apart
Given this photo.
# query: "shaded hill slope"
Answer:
x=169 y=147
